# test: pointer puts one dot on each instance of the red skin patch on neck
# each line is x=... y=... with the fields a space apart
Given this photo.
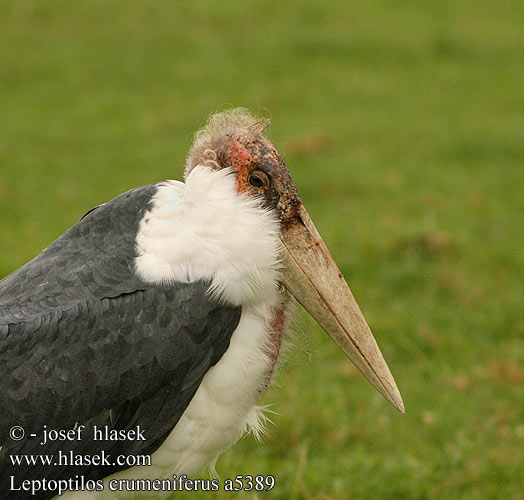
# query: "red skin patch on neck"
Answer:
x=275 y=335
x=276 y=330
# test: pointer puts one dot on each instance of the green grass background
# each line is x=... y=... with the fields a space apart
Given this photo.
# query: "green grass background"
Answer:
x=403 y=125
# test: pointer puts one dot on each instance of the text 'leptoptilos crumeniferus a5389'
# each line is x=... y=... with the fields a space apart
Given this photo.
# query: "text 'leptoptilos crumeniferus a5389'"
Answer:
x=162 y=312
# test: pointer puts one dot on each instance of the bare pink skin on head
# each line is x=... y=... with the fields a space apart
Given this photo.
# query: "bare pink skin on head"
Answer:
x=246 y=154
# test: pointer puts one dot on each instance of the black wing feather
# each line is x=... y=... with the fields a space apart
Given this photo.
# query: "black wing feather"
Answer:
x=84 y=341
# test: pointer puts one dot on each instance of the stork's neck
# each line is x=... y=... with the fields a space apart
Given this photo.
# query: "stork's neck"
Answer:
x=206 y=230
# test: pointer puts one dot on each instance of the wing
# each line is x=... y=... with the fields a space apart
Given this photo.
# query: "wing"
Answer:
x=84 y=342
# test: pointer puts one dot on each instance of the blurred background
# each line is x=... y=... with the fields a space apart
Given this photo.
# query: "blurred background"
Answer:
x=403 y=125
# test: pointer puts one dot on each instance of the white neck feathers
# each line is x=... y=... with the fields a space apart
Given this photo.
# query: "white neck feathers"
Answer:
x=206 y=230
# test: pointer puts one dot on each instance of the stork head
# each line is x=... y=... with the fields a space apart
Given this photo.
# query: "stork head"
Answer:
x=237 y=140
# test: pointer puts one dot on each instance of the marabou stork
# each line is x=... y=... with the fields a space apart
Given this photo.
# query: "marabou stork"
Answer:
x=161 y=314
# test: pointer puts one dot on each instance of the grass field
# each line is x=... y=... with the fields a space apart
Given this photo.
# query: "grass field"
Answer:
x=403 y=125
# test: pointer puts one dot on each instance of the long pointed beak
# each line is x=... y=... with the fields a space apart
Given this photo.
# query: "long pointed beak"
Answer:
x=314 y=279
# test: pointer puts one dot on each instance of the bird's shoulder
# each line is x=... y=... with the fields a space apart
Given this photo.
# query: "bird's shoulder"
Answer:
x=94 y=259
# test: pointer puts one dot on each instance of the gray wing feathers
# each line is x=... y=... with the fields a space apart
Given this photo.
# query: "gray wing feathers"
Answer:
x=92 y=260
x=83 y=340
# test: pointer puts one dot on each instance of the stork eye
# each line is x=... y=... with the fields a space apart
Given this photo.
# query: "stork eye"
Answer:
x=258 y=180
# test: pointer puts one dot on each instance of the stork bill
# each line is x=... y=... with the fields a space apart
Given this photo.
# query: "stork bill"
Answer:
x=160 y=315
x=314 y=279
